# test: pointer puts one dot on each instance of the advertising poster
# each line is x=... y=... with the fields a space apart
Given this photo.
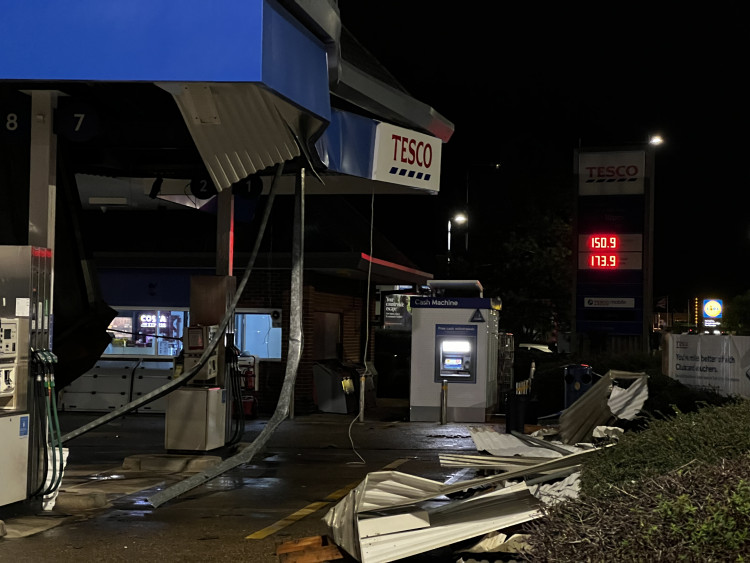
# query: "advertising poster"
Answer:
x=707 y=361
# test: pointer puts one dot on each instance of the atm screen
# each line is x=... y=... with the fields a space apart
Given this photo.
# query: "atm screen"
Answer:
x=453 y=363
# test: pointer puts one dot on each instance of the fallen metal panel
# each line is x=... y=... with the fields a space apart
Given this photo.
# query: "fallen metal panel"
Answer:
x=413 y=520
x=489 y=440
x=626 y=403
x=386 y=490
x=488 y=461
x=592 y=409
x=455 y=522
x=578 y=421
x=552 y=493
x=531 y=440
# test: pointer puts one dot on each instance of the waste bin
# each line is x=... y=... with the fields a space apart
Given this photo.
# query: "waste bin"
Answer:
x=515 y=413
x=578 y=380
x=335 y=388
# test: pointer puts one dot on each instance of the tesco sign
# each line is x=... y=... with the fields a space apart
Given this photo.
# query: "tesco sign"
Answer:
x=621 y=172
x=411 y=151
x=406 y=157
x=611 y=173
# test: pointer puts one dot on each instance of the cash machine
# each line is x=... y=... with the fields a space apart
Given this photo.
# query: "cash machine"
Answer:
x=454 y=358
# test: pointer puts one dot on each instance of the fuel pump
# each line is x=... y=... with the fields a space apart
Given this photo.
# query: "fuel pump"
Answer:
x=31 y=459
x=8 y=356
x=14 y=417
x=196 y=340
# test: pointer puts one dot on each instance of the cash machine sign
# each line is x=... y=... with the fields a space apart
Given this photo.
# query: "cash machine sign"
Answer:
x=477 y=317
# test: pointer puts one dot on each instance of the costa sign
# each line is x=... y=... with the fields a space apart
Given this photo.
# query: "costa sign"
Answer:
x=611 y=173
x=406 y=157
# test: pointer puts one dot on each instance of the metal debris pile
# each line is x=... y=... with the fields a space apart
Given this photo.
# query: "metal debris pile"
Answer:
x=391 y=515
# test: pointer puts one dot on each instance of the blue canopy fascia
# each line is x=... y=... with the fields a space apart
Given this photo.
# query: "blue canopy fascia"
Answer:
x=347 y=145
x=166 y=41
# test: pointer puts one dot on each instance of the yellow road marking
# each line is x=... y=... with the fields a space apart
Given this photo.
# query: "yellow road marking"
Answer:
x=395 y=464
x=288 y=521
x=312 y=508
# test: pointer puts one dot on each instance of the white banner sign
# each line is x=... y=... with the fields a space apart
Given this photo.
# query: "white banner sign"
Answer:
x=611 y=173
x=406 y=157
x=706 y=361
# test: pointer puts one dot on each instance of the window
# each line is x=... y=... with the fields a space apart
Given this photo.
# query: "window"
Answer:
x=158 y=332
x=147 y=332
x=258 y=332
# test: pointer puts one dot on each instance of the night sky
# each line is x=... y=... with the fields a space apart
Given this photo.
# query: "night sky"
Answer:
x=526 y=87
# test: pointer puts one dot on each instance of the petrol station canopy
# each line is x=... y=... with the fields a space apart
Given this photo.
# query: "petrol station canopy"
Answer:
x=217 y=92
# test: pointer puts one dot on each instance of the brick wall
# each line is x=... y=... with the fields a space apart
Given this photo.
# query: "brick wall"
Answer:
x=321 y=294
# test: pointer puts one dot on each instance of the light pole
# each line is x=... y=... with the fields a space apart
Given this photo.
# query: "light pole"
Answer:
x=482 y=167
x=459 y=219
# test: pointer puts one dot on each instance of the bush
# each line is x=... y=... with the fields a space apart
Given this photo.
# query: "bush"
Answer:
x=696 y=514
x=679 y=490
x=705 y=436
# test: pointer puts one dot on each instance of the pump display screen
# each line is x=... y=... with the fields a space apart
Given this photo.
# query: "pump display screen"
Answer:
x=195 y=338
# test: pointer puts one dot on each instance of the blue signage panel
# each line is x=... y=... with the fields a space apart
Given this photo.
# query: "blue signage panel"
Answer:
x=23 y=427
x=348 y=144
x=136 y=40
x=451 y=302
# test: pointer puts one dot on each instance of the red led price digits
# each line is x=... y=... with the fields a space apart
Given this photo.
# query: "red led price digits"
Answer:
x=609 y=242
x=604 y=261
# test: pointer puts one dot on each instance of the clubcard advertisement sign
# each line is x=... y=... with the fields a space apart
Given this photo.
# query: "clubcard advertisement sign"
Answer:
x=706 y=361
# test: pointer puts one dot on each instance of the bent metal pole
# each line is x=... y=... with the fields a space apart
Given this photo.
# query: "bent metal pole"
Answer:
x=287 y=388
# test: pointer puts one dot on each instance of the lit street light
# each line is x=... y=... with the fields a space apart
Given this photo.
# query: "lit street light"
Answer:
x=655 y=140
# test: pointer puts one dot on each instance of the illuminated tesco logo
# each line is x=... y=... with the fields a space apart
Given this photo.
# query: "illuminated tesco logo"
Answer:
x=411 y=151
x=623 y=171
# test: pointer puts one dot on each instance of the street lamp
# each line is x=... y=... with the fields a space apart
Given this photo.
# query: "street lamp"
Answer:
x=655 y=140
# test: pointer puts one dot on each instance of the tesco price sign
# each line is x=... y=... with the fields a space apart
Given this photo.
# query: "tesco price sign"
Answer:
x=406 y=157
x=611 y=173
x=610 y=251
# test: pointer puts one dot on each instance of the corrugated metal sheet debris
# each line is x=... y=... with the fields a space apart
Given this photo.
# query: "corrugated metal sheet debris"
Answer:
x=241 y=128
x=593 y=409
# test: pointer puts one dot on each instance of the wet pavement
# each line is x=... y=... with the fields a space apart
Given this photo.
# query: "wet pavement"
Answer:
x=282 y=494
